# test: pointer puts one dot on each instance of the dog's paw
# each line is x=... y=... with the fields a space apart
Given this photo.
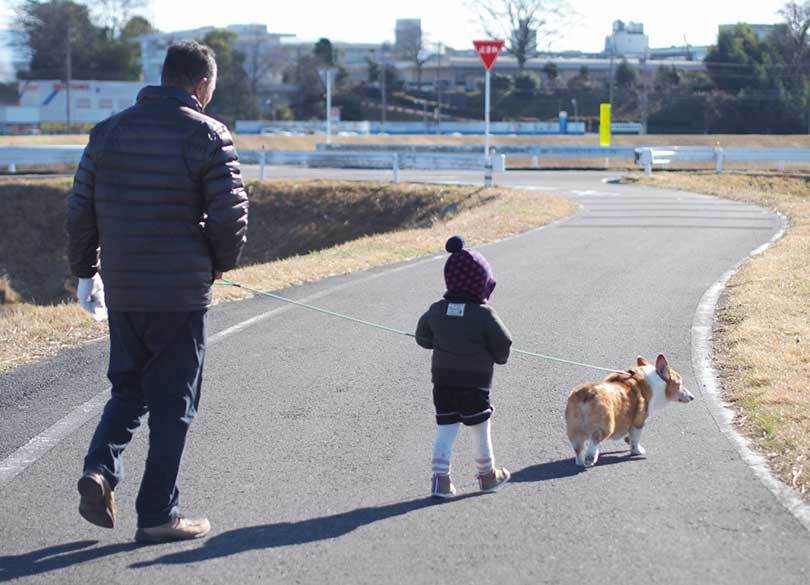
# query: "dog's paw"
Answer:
x=638 y=450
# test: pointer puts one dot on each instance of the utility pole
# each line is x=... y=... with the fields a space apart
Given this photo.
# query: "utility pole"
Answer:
x=68 y=75
x=384 y=90
x=612 y=74
x=438 y=88
x=644 y=96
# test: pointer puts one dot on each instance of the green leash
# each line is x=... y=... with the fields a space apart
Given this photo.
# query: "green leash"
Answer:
x=228 y=282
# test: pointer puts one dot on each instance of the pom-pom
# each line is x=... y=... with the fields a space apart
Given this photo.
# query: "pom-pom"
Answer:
x=454 y=244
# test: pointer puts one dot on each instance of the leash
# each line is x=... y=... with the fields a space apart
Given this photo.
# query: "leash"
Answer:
x=228 y=282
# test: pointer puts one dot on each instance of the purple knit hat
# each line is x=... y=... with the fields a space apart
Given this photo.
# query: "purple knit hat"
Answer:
x=467 y=273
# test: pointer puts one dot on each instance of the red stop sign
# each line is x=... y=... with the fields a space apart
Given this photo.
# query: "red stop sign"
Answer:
x=488 y=52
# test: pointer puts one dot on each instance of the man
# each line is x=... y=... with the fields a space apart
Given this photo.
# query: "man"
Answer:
x=157 y=206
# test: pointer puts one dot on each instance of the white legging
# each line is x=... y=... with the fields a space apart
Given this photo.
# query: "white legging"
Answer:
x=482 y=447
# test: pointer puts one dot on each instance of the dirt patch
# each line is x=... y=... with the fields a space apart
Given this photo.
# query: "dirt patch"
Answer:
x=299 y=232
x=762 y=342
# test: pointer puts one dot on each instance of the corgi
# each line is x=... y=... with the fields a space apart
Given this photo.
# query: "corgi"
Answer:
x=619 y=406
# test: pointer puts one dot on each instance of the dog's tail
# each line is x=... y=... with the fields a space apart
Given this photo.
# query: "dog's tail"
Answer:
x=584 y=394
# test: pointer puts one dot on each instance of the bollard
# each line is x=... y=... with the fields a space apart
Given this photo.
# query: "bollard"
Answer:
x=535 y=162
x=500 y=164
x=718 y=157
x=12 y=168
x=781 y=166
x=488 y=173
x=395 y=168
x=262 y=163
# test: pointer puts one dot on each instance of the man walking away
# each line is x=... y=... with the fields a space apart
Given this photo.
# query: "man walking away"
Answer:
x=158 y=207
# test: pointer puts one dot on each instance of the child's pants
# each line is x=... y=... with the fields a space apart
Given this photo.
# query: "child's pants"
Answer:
x=482 y=447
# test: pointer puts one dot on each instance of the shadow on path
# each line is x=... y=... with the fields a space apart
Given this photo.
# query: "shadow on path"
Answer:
x=566 y=467
x=57 y=557
x=282 y=534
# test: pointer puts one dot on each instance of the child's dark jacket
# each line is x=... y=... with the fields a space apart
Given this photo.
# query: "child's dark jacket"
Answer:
x=467 y=339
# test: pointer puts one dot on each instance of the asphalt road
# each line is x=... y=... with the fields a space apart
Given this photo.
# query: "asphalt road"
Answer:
x=311 y=453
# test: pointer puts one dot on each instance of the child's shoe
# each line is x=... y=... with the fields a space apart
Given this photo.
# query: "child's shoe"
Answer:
x=442 y=486
x=494 y=480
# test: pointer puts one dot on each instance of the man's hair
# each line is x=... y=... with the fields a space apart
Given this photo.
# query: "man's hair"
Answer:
x=186 y=63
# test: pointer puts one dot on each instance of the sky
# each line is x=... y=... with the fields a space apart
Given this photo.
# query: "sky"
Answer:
x=453 y=22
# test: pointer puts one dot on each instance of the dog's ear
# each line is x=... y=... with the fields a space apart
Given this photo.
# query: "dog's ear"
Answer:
x=640 y=361
x=662 y=367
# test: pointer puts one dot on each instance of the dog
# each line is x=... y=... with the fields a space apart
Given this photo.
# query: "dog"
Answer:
x=619 y=406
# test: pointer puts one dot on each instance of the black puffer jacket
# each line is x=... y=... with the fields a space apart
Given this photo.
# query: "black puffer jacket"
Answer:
x=159 y=190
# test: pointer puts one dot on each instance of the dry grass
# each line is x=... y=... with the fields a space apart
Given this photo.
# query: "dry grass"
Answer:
x=330 y=217
x=256 y=142
x=763 y=337
x=492 y=215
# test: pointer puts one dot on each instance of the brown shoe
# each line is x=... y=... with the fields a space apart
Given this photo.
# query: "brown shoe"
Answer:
x=180 y=528
x=97 y=504
x=494 y=480
x=442 y=486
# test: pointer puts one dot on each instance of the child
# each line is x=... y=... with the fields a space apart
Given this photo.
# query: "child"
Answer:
x=467 y=338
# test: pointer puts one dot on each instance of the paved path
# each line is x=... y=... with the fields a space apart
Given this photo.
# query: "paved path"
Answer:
x=311 y=452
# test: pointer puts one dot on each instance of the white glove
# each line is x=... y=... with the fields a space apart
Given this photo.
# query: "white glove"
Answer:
x=91 y=297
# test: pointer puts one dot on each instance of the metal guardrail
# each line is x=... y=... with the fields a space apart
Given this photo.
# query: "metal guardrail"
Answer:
x=10 y=157
x=436 y=157
x=650 y=156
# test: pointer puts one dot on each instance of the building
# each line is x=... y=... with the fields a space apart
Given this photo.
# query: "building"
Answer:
x=262 y=50
x=456 y=72
x=628 y=39
x=408 y=37
x=90 y=101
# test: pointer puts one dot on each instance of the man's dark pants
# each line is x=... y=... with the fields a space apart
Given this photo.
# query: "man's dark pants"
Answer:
x=156 y=365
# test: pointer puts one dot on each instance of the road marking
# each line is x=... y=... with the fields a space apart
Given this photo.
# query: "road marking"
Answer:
x=721 y=411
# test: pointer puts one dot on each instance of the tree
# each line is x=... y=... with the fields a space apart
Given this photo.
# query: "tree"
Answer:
x=231 y=100
x=324 y=53
x=135 y=27
x=739 y=60
x=114 y=14
x=626 y=75
x=521 y=23
x=258 y=63
x=551 y=71
x=53 y=28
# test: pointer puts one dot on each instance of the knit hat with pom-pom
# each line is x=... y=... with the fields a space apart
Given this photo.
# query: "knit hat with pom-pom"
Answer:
x=467 y=273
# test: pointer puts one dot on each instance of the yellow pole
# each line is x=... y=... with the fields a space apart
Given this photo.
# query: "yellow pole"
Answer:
x=604 y=125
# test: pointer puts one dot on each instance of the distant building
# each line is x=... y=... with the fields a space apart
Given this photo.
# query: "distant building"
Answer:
x=763 y=31
x=90 y=101
x=254 y=41
x=628 y=39
x=408 y=37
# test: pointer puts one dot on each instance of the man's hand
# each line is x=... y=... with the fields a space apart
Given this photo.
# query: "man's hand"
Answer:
x=90 y=294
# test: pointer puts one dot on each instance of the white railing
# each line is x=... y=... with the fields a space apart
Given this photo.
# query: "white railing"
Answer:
x=648 y=157
x=11 y=157
x=448 y=157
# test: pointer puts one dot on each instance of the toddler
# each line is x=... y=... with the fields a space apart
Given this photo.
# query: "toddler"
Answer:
x=467 y=339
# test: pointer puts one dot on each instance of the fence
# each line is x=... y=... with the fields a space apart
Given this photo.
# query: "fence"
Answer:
x=456 y=157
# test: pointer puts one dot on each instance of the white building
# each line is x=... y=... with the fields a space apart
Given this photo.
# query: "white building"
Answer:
x=253 y=40
x=628 y=39
x=408 y=37
x=90 y=101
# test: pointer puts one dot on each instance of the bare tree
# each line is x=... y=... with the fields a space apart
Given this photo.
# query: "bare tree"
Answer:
x=260 y=59
x=797 y=28
x=523 y=24
x=114 y=14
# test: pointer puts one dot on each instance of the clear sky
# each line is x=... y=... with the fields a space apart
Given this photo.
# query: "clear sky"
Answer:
x=666 y=22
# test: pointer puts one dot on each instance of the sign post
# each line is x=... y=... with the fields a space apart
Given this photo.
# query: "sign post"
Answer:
x=488 y=52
